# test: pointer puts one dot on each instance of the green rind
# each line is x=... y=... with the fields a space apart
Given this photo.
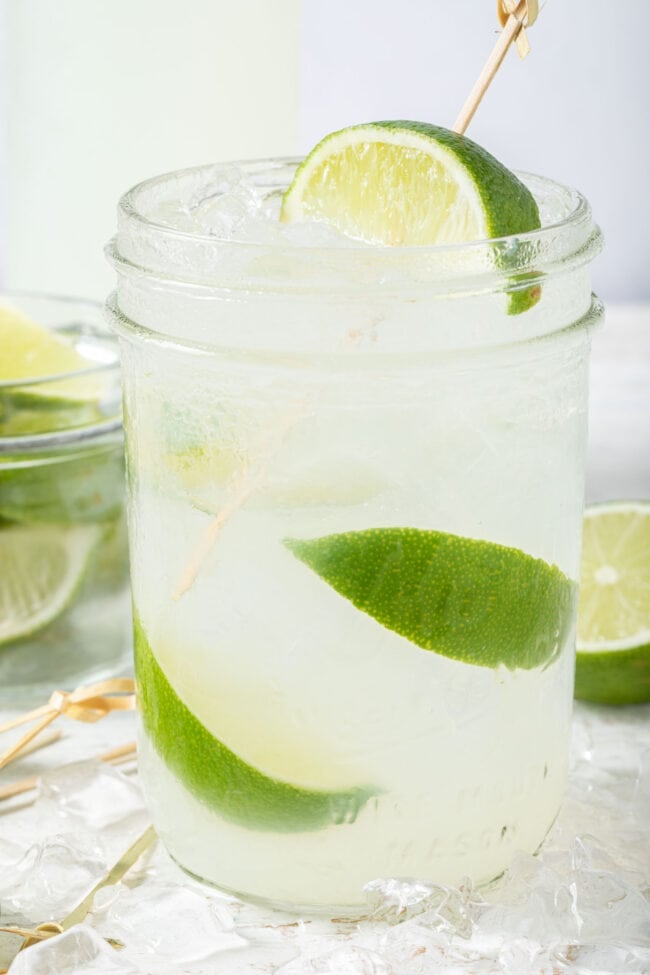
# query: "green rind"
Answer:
x=613 y=677
x=474 y=601
x=510 y=207
x=218 y=777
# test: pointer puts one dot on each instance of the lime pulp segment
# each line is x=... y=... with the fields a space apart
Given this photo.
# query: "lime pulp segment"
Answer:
x=473 y=601
x=217 y=776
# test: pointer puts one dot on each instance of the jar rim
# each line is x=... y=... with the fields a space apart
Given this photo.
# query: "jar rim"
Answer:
x=147 y=245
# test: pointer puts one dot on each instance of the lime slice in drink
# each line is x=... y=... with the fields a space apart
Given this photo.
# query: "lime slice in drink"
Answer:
x=32 y=352
x=613 y=660
x=474 y=601
x=42 y=569
x=408 y=183
x=218 y=777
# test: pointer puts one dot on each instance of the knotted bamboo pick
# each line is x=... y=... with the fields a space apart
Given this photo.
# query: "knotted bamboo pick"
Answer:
x=87 y=704
x=514 y=16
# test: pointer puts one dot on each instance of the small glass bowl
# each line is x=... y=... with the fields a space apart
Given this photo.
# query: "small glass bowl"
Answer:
x=64 y=579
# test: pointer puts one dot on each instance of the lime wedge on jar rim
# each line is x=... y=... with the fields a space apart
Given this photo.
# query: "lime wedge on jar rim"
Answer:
x=613 y=658
x=408 y=183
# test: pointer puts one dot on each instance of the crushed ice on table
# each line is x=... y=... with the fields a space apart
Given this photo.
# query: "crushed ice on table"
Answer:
x=94 y=796
x=581 y=907
x=49 y=878
x=173 y=923
x=340 y=961
x=10 y=852
x=79 y=951
x=447 y=910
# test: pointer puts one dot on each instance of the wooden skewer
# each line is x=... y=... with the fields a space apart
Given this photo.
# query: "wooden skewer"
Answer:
x=250 y=480
x=26 y=739
x=115 y=756
x=24 y=718
x=90 y=703
x=513 y=26
x=41 y=742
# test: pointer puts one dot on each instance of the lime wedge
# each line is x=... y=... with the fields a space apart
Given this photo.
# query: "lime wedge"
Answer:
x=217 y=776
x=471 y=600
x=42 y=568
x=408 y=183
x=412 y=183
x=32 y=352
x=613 y=660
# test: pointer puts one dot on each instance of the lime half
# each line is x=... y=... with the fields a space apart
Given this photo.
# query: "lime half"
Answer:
x=408 y=183
x=42 y=568
x=613 y=660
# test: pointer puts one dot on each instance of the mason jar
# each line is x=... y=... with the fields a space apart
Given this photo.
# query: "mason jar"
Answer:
x=355 y=481
x=64 y=593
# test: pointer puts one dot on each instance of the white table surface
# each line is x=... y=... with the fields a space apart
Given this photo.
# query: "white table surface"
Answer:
x=608 y=797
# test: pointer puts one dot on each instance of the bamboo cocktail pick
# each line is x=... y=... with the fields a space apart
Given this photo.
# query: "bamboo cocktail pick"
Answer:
x=84 y=704
x=514 y=16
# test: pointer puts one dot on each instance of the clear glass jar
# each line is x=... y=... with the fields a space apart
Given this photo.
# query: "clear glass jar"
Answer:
x=344 y=463
x=64 y=600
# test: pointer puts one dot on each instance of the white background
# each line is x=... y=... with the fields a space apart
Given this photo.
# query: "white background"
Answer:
x=577 y=109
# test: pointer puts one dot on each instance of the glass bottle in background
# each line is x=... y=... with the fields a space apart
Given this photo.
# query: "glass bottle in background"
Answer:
x=64 y=586
x=97 y=96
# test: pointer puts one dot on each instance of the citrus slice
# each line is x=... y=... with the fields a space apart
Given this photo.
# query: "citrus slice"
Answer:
x=237 y=791
x=32 y=352
x=408 y=183
x=613 y=659
x=42 y=568
x=471 y=600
